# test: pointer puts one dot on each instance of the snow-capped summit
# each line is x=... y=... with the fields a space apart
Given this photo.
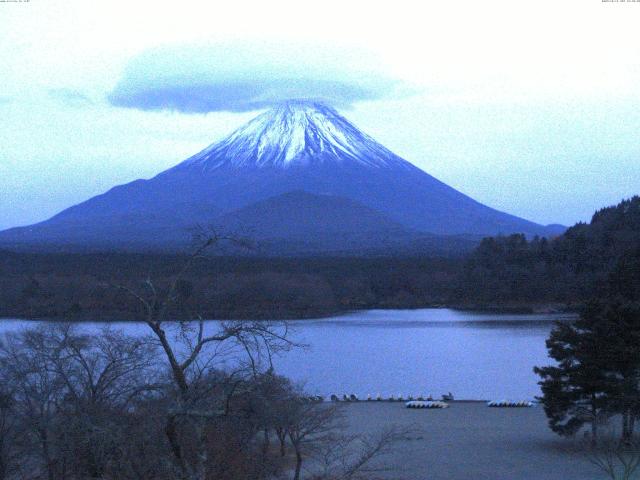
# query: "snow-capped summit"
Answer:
x=295 y=132
x=299 y=177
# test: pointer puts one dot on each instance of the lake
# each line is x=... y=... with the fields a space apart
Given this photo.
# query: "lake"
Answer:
x=409 y=352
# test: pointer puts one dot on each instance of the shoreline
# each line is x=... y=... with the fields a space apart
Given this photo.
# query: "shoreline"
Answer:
x=470 y=441
x=530 y=309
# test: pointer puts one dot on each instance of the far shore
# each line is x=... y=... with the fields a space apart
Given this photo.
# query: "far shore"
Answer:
x=500 y=309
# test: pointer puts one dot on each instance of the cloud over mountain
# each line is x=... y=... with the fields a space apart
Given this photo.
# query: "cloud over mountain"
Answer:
x=245 y=76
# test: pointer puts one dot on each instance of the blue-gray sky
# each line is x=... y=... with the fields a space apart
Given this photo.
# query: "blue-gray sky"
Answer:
x=530 y=107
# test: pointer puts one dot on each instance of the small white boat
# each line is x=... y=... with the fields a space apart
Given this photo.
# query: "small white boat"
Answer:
x=510 y=404
x=426 y=404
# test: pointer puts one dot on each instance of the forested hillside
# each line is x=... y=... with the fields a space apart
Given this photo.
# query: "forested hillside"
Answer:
x=83 y=286
x=588 y=260
x=592 y=260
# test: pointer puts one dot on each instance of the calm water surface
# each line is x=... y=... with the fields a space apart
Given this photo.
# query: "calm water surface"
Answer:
x=409 y=352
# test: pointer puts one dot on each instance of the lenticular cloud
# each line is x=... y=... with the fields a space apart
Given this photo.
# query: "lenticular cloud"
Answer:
x=245 y=76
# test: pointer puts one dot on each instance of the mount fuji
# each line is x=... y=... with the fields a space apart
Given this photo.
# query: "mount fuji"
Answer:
x=299 y=176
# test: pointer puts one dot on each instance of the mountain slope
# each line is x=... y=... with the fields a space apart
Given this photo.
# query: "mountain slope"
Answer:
x=295 y=147
x=306 y=223
x=299 y=214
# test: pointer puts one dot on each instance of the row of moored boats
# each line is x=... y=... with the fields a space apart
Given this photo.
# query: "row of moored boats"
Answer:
x=422 y=402
x=354 y=398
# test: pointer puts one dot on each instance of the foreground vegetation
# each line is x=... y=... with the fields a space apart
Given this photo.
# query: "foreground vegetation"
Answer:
x=76 y=406
x=185 y=402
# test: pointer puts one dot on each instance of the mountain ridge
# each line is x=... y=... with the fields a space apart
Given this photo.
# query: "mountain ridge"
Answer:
x=295 y=147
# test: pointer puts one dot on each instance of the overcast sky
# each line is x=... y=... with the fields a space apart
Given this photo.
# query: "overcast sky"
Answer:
x=529 y=107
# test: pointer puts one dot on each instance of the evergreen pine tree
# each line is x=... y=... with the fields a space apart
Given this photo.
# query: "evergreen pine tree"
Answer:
x=598 y=369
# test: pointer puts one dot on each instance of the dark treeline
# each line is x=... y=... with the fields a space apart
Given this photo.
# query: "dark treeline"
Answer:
x=79 y=286
x=596 y=375
x=587 y=261
x=510 y=272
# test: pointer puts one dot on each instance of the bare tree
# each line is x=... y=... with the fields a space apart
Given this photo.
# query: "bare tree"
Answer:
x=357 y=457
x=257 y=340
x=70 y=395
x=307 y=426
x=619 y=460
x=103 y=376
x=82 y=406
x=37 y=391
x=9 y=435
x=316 y=433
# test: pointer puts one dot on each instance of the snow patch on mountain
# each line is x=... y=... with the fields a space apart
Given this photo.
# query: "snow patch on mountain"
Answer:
x=295 y=132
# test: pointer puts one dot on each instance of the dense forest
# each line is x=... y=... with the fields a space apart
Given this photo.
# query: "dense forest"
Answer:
x=511 y=272
x=83 y=286
x=588 y=261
